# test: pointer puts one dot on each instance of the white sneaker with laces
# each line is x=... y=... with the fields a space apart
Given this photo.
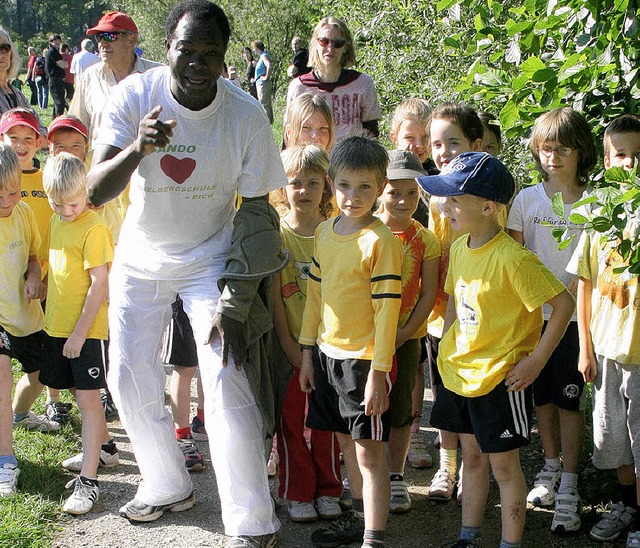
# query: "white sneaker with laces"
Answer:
x=83 y=498
x=545 y=487
x=39 y=423
x=441 y=487
x=566 y=518
x=328 y=507
x=9 y=479
x=107 y=460
x=301 y=512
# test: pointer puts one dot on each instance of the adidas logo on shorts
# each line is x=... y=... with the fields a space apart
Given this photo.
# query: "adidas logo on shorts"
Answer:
x=506 y=434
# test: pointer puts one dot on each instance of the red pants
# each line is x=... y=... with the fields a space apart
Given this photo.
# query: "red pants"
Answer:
x=306 y=471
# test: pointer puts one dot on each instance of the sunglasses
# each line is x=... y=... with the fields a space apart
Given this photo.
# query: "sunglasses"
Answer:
x=109 y=36
x=324 y=42
x=5 y=48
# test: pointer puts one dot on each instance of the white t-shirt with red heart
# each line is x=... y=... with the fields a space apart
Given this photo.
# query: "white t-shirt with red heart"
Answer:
x=183 y=196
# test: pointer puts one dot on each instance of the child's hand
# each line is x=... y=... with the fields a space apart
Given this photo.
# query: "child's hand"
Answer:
x=307 y=380
x=523 y=374
x=588 y=366
x=34 y=289
x=376 y=399
x=73 y=346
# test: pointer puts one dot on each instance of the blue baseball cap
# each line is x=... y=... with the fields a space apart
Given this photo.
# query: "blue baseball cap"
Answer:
x=475 y=173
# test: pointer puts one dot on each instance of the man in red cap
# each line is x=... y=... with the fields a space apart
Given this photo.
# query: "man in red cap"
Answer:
x=117 y=37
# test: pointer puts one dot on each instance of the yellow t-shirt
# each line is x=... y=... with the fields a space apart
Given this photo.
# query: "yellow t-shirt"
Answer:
x=19 y=240
x=499 y=290
x=441 y=227
x=615 y=301
x=353 y=297
x=419 y=245
x=293 y=277
x=71 y=249
x=33 y=194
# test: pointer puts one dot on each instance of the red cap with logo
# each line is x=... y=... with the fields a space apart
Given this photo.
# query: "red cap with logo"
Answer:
x=112 y=22
x=18 y=118
x=66 y=122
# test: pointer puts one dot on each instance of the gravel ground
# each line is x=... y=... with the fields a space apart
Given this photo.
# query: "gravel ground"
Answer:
x=427 y=525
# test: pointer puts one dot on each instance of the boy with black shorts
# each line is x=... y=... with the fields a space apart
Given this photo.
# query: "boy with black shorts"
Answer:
x=21 y=317
x=348 y=336
x=491 y=350
x=77 y=249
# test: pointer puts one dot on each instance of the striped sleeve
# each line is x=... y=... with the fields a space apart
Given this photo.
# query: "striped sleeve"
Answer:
x=386 y=295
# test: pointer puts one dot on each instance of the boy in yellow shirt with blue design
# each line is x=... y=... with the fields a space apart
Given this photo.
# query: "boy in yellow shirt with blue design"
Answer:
x=491 y=350
x=77 y=249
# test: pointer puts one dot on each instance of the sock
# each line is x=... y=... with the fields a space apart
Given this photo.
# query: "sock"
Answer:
x=89 y=481
x=553 y=464
x=17 y=417
x=109 y=447
x=358 y=508
x=505 y=544
x=628 y=493
x=449 y=460
x=200 y=415
x=183 y=433
x=373 y=538
x=568 y=482
x=395 y=476
x=8 y=459
x=469 y=533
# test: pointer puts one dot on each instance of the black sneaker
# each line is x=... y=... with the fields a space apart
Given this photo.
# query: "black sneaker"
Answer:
x=346 y=529
x=58 y=412
x=110 y=411
x=466 y=543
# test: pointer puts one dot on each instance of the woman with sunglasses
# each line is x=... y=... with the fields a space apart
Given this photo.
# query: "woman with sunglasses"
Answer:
x=350 y=94
x=10 y=96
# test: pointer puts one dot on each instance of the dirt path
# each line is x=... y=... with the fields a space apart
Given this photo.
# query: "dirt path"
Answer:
x=427 y=525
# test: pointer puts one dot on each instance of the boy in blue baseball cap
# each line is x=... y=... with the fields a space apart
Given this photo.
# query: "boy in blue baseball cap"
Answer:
x=491 y=350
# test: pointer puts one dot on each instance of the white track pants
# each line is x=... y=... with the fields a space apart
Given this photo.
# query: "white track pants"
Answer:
x=139 y=311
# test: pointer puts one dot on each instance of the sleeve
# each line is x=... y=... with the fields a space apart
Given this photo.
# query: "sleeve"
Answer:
x=313 y=306
x=580 y=262
x=295 y=88
x=370 y=108
x=386 y=295
x=431 y=245
x=98 y=247
x=534 y=282
x=78 y=104
x=515 y=221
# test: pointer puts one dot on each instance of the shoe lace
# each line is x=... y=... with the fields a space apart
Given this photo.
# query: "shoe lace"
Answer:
x=7 y=475
x=344 y=523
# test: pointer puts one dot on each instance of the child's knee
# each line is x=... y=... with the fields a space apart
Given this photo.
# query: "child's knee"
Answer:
x=506 y=467
x=370 y=454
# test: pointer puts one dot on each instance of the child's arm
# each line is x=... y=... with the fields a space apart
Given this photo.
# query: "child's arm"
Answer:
x=290 y=346
x=428 y=291
x=96 y=294
x=450 y=314
x=528 y=368
x=587 y=364
x=33 y=286
x=307 y=378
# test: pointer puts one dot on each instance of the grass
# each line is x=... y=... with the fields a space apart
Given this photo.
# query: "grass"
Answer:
x=30 y=518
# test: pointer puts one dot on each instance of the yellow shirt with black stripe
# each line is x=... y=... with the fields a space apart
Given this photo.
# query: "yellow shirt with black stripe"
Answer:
x=354 y=294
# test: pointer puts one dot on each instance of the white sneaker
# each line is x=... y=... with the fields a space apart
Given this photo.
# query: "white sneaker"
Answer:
x=107 y=460
x=566 y=518
x=83 y=498
x=9 y=479
x=400 y=499
x=545 y=487
x=301 y=512
x=616 y=519
x=328 y=507
x=39 y=423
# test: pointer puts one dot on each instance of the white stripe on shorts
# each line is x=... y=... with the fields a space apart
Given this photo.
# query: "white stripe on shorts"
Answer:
x=519 y=412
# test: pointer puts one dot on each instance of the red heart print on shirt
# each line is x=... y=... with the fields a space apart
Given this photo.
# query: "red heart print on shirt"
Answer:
x=177 y=169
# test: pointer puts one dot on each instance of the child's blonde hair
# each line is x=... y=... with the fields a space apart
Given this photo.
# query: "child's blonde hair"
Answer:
x=64 y=177
x=569 y=127
x=297 y=159
x=10 y=171
x=302 y=108
x=414 y=110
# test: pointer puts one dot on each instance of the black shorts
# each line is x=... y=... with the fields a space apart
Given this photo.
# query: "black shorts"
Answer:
x=179 y=345
x=337 y=403
x=431 y=344
x=400 y=398
x=87 y=372
x=500 y=420
x=560 y=382
x=28 y=350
